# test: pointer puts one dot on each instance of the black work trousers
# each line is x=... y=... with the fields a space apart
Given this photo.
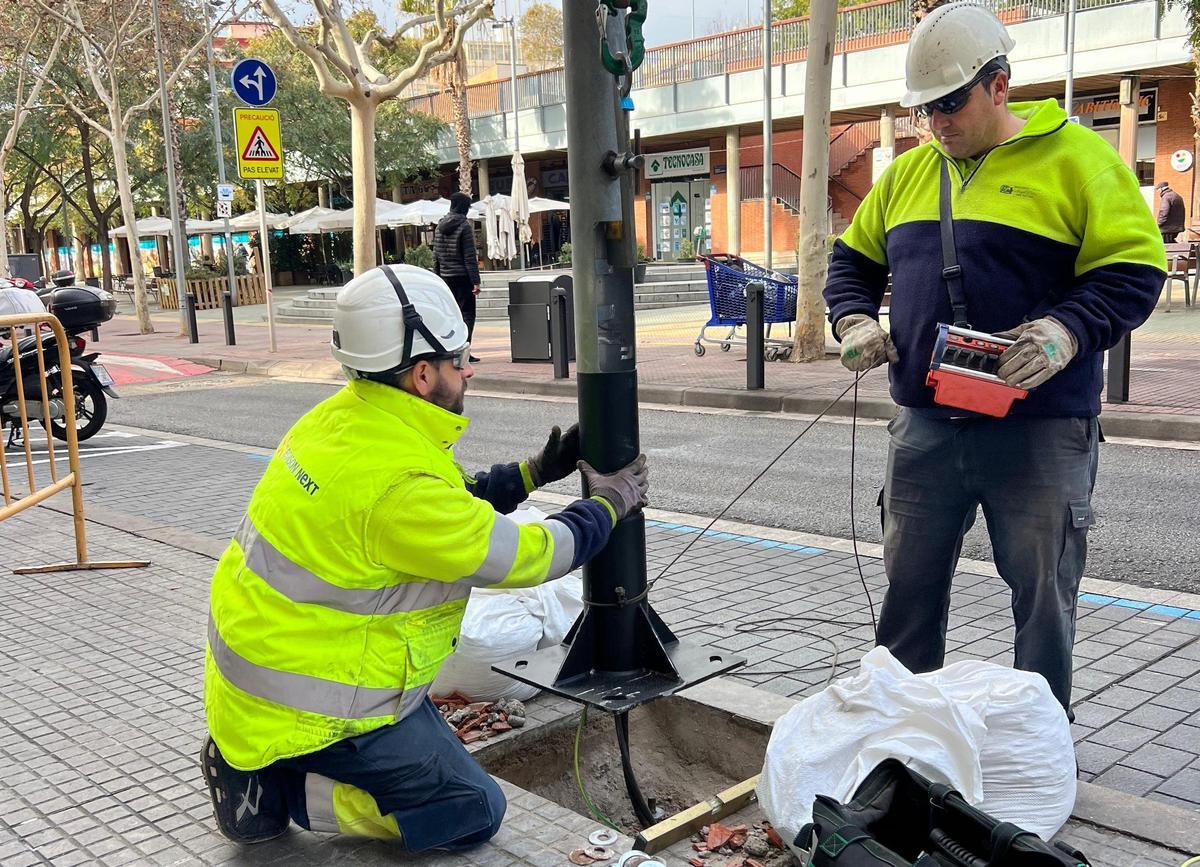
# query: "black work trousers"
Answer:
x=1033 y=477
x=464 y=294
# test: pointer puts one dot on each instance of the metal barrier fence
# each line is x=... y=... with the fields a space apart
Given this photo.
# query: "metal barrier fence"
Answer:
x=865 y=26
x=50 y=379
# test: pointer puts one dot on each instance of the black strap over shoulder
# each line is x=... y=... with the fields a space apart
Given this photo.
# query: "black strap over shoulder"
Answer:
x=413 y=323
x=951 y=270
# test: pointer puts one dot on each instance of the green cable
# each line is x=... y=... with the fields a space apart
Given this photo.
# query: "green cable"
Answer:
x=596 y=814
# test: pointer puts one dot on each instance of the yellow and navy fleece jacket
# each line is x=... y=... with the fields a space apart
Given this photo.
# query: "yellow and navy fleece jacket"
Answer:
x=1049 y=222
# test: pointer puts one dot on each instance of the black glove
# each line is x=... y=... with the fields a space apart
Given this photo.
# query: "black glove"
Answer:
x=624 y=490
x=558 y=457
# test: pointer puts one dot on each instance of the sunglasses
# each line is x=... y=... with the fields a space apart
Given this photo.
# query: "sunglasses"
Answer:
x=955 y=100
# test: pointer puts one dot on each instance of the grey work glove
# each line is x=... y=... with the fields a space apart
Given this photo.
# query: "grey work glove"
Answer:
x=624 y=490
x=558 y=457
x=1043 y=348
x=864 y=343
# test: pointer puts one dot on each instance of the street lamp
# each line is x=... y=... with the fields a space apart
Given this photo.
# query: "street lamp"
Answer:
x=511 y=23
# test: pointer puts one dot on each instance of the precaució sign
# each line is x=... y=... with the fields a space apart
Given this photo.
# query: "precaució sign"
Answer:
x=259 y=147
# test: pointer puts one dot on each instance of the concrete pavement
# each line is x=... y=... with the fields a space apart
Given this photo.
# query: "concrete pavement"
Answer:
x=100 y=716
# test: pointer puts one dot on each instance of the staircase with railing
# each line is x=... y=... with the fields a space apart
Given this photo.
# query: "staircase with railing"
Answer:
x=785 y=185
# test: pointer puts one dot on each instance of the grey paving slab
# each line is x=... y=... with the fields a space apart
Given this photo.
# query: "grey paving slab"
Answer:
x=100 y=672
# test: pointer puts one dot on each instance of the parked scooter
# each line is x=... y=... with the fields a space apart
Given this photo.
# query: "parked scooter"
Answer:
x=79 y=309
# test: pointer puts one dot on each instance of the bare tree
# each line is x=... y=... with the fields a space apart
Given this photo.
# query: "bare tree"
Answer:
x=809 y=344
x=19 y=52
x=114 y=46
x=345 y=71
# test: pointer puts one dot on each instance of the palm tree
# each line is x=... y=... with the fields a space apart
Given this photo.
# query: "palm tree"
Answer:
x=452 y=75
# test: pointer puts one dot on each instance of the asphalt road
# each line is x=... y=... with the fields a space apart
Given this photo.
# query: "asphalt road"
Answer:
x=1146 y=498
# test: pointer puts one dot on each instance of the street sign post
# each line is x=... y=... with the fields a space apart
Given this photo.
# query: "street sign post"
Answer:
x=224 y=210
x=260 y=156
x=253 y=82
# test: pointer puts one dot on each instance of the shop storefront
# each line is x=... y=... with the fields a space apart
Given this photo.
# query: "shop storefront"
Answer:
x=680 y=204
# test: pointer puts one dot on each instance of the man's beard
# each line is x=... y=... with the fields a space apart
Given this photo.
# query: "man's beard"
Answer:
x=444 y=396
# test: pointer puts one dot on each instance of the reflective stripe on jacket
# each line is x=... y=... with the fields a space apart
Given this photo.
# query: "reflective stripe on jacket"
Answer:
x=344 y=588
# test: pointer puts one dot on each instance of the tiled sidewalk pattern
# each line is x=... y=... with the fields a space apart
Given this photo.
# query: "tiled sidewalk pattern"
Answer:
x=1137 y=683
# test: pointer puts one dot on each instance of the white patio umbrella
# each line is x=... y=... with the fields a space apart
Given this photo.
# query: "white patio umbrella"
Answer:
x=424 y=212
x=150 y=226
x=248 y=222
x=312 y=223
x=491 y=229
x=538 y=205
x=520 y=200
x=304 y=217
x=386 y=213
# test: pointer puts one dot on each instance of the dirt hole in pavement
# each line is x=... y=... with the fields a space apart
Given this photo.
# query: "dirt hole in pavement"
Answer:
x=682 y=752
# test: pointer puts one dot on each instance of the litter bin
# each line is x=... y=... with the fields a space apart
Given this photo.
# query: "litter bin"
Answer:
x=529 y=317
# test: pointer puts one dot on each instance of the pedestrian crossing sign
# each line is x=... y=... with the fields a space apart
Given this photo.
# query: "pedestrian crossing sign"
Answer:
x=259 y=147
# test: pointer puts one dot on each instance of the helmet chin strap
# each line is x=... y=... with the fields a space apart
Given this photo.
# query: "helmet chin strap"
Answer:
x=413 y=323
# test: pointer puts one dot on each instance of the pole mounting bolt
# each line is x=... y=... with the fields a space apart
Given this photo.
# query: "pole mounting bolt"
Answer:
x=617 y=164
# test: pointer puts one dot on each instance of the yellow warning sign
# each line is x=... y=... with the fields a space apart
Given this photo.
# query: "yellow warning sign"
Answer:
x=259 y=147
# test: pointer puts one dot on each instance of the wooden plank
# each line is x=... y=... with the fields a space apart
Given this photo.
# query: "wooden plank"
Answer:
x=682 y=825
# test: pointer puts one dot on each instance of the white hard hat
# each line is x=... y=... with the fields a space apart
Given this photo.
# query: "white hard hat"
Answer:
x=393 y=314
x=948 y=48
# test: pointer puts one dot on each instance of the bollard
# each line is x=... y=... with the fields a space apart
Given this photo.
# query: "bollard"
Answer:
x=755 y=367
x=189 y=303
x=559 y=352
x=227 y=314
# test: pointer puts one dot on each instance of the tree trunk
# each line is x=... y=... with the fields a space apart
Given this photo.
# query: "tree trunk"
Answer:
x=362 y=154
x=121 y=168
x=462 y=133
x=814 y=186
x=3 y=225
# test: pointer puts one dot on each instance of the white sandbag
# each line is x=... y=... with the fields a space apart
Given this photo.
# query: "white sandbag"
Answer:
x=502 y=623
x=1028 y=755
x=830 y=741
x=495 y=626
x=996 y=735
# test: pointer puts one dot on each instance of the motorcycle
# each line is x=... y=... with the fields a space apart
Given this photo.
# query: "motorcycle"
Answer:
x=79 y=309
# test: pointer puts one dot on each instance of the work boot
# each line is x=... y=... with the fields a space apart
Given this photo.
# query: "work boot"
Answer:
x=247 y=805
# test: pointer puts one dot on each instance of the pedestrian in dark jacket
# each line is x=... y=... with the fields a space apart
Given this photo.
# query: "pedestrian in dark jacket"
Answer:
x=455 y=259
x=1170 y=212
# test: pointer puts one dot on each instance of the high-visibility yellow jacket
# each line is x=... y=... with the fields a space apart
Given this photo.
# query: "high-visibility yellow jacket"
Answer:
x=345 y=586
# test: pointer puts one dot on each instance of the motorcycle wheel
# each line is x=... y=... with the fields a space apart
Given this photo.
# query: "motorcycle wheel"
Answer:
x=91 y=408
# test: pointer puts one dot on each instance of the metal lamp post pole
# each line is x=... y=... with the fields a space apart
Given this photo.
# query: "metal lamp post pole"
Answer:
x=512 y=37
x=768 y=167
x=1069 y=98
x=177 y=219
x=218 y=142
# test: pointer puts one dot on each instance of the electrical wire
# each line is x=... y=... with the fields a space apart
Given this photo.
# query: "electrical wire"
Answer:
x=592 y=808
x=640 y=808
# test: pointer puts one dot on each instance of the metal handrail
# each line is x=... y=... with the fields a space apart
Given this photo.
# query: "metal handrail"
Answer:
x=860 y=27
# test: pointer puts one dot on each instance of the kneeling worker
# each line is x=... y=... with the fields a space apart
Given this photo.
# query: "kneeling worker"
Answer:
x=345 y=586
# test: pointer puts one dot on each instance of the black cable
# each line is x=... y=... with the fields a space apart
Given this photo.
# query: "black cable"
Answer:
x=640 y=808
x=753 y=482
x=853 y=525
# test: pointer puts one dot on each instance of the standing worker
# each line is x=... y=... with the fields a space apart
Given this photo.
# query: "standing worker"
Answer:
x=344 y=588
x=1058 y=252
x=1171 y=217
x=455 y=259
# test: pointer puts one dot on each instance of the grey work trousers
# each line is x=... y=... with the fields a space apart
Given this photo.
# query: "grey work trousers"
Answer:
x=1034 y=478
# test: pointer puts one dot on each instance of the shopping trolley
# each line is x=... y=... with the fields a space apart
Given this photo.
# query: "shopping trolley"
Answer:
x=727 y=276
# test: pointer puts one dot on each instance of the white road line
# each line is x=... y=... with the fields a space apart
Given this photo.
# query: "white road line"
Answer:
x=98 y=453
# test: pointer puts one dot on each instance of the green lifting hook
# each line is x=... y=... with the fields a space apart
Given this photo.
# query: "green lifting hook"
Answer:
x=633 y=36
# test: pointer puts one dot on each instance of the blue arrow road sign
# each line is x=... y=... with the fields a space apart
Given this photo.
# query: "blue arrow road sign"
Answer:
x=253 y=82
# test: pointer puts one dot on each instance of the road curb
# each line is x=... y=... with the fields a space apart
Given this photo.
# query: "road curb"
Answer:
x=1118 y=423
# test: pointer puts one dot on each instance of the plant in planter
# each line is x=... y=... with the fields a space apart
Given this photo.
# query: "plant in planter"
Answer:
x=639 y=270
x=687 y=252
x=346 y=267
x=421 y=256
x=564 y=254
